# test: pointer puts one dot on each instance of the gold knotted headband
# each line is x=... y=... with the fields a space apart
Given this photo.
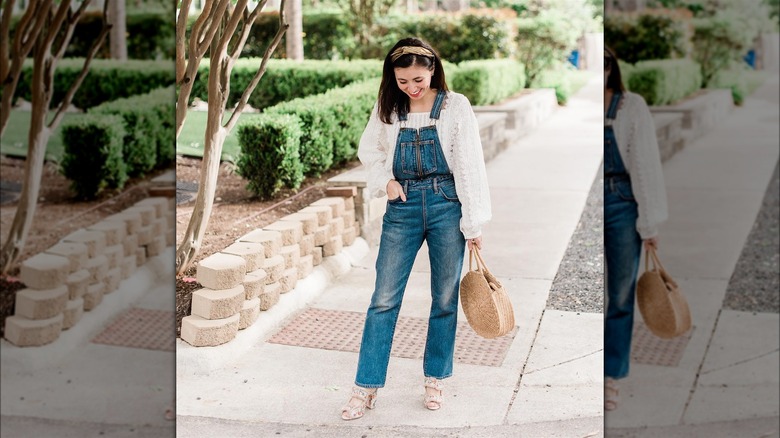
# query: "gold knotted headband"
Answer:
x=410 y=50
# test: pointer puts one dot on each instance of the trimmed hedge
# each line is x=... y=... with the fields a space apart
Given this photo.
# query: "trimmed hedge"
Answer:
x=149 y=128
x=652 y=34
x=331 y=123
x=270 y=158
x=489 y=81
x=285 y=80
x=150 y=34
x=107 y=80
x=93 y=153
x=664 y=81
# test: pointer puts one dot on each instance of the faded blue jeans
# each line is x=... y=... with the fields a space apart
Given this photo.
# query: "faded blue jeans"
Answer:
x=432 y=213
x=622 y=250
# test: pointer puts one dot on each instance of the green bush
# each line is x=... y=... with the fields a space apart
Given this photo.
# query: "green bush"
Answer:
x=93 y=153
x=646 y=36
x=331 y=123
x=150 y=35
x=149 y=129
x=664 y=81
x=489 y=81
x=285 y=80
x=107 y=80
x=718 y=42
x=270 y=156
x=542 y=42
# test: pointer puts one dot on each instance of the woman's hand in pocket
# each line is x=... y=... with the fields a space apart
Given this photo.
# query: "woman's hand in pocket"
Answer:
x=395 y=190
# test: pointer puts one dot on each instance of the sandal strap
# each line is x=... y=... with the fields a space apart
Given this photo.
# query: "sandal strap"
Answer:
x=434 y=383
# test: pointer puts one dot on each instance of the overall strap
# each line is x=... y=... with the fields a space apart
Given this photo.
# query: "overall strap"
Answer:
x=437 y=104
x=613 y=106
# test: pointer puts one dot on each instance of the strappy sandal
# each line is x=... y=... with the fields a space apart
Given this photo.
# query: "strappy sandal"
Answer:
x=433 y=401
x=611 y=394
x=366 y=399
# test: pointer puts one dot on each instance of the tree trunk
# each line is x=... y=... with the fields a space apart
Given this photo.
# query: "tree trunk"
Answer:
x=118 y=37
x=37 y=139
x=294 y=36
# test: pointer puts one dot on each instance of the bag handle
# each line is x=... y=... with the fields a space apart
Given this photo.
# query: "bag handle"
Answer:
x=652 y=254
x=482 y=268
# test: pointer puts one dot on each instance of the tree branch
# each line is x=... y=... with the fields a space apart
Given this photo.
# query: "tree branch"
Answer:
x=249 y=21
x=181 y=37
x=73 y=20
x=283 y=25
x=5 y=32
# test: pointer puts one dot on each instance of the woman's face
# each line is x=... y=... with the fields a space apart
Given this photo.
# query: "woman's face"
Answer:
x=414 y=80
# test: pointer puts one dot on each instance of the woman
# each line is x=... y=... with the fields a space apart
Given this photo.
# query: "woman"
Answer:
x=422 y=149
x=634 y=206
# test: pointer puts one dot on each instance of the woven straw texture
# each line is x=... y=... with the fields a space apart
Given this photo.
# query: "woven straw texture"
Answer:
x=662 y=305
x=485 y=302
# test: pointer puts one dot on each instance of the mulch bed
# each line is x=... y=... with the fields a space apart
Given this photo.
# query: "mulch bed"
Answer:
x=236 y=212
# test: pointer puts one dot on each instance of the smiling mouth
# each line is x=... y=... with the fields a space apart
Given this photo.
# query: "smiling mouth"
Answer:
x=417 y=94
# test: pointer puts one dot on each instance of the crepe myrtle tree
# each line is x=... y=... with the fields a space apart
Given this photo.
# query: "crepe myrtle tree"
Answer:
x=221 y=30
x=44 y=30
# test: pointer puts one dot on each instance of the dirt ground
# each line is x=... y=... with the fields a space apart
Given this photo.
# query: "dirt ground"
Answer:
x=235 y=213
x=58 y=214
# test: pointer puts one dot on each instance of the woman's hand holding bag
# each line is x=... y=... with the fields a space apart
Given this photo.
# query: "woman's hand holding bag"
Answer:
x=485 y=302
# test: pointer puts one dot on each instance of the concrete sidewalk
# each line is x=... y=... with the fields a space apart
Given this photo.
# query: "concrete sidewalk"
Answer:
x=727 y=377
x=549 y=382
x=76 y=387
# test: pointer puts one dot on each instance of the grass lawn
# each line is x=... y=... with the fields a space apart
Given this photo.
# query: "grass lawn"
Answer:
x=14 y=141
x=192 y=137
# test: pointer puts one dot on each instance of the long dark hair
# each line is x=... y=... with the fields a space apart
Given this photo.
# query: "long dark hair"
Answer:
x=615 y=80
x=391 y=98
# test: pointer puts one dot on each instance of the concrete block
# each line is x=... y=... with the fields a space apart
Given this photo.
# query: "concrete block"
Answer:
x=156 y=246
x=159 y=227
x=74 y=310
x=77 y=283
x=291 y=255
x=274 y=267
x=145 y=235
x=349 y=218
x=76 y=253
x=333 y=247
x=41 y=304
x=341 y=191
x=131 y=219
x=254 y=283
x=130 y=244
x=148 y=213
x=45 y=271
x=115 y=231
x=348 y=236
x=305 y=266
x=140 y=256
x=270 y=295
x=115 y=255
x=97 y=268
x=94 y=295
x=170 y=236
x=289 y=280
x=112 y=279
x=160 y=204
x=349 y=204
x=201 y=332
x=250 y=310
x=336 y=226
x=217 y=304
x=271 y=240
x=291 y=231
x=129 y=266
x=323 y=235
x=336 y=203
x=221 y=271
x=307 y=220
x=307 y=244
x=316 y=255
x=252 y=253
x=324 y=213
x=24 y=332
x=95 y=241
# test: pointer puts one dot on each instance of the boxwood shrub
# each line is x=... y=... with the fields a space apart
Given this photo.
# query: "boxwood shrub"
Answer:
x=489 y=81
x=93 y=153
x=664 y=81
x=270 y=153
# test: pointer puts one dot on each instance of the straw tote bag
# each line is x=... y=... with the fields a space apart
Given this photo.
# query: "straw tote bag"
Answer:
x=484 y=300
x=664 y=309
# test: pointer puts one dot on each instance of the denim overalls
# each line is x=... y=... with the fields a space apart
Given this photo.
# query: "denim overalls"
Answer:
x=622 y=247
x=431 y=213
